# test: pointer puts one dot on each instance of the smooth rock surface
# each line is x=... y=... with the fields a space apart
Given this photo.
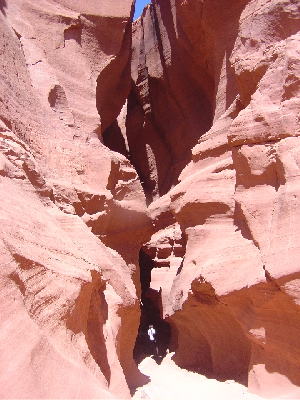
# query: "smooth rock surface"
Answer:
x=72 y=214
x=170 y=382
x=233 y=303
x=175 y=138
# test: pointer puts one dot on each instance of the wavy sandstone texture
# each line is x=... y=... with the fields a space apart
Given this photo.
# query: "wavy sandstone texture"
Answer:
x=223 y=76
x=72 y=212
x=194 y=158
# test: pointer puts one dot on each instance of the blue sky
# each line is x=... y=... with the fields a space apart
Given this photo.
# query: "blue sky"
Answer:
x=139 y=6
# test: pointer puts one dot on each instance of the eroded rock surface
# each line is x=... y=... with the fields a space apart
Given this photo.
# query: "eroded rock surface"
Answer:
x=232 y=297
x=73 y=213
x=176 y=138
x=170 y=382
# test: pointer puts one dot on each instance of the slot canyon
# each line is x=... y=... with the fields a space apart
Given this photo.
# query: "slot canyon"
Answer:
x=150 y=175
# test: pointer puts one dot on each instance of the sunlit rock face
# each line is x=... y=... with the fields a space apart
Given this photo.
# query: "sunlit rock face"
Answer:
x=222 y=77
x=73 y=213
x=175 y=137
x=170 y=382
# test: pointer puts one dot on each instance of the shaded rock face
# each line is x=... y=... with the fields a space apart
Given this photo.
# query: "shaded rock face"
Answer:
x=73 y=213
x=159 y=145
x=190 y=161
x=223 y=76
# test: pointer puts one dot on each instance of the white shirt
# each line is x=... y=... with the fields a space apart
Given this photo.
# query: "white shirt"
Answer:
x=151 y=333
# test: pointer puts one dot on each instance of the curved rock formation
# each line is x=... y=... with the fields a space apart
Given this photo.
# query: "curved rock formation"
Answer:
x=170 y=382
x=231 y=299
x=73 y=213
x=173 y=143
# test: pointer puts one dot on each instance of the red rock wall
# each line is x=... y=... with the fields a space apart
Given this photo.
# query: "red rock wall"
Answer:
x=205 y=129
x=170 y=103
x=72 y=213
x=225 y=75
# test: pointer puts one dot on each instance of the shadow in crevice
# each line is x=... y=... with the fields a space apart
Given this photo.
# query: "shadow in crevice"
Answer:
x=113 y=83
x=3 y=6
x=201 y=360
x=89 y=315
x=150 y=314
x=114 y=140
x=241 y=222
x=73 y=32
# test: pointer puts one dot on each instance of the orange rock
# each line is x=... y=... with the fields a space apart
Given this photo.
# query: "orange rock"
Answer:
x=204 y=130
x=233 y=302
x=69 y=303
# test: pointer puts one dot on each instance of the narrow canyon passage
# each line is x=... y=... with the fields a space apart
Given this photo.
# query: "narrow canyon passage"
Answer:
x=151 y=314
x=204 y=337
x=190 y=84
x=149 y=173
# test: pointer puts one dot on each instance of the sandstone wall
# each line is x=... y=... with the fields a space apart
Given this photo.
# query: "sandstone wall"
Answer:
x=226 y=247
x=190 y=115
x=73 y=213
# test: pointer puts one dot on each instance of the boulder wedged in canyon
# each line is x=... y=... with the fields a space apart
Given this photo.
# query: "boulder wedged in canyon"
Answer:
x=73 y=213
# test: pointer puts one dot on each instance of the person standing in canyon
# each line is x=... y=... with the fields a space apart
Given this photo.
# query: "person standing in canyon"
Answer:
x=152 y=337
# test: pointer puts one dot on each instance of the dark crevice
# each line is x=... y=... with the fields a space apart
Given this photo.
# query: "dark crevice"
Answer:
x=57 y=97
x=89 y=315
x=165 y=115
x=151 y=308
x=241 y=223
x=114 y=140
x=73 y=32
x=113 y=84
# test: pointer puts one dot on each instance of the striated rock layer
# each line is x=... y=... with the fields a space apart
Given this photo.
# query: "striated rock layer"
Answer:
x=72 y=212
x=173 y=142
x=223 y=76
